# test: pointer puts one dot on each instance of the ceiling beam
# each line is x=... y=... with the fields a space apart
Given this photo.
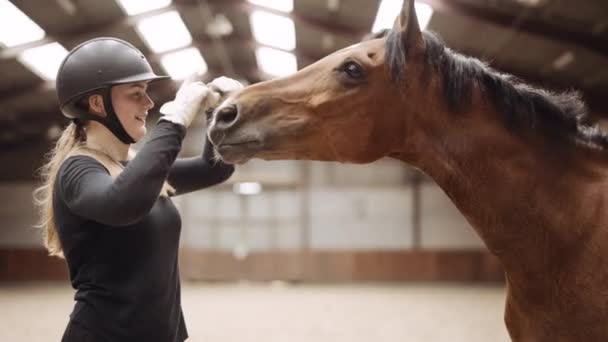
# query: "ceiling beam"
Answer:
x=23 y=93
x=79 y=36
x=460 y=8
x=180 y=5
x=593 y=42
x=298 y=19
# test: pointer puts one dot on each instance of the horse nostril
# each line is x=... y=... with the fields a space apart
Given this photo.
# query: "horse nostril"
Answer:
x=227 y=115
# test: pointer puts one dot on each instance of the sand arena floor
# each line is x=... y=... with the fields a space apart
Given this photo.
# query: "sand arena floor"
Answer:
x=273 y=312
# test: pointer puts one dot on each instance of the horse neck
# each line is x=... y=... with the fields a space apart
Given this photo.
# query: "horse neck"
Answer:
x=528 y=199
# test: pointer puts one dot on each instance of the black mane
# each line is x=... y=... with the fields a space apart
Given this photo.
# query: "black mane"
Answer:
x=560 y=114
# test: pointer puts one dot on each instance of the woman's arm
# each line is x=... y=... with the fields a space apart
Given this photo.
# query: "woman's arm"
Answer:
x=89 y=191
x=191 y=174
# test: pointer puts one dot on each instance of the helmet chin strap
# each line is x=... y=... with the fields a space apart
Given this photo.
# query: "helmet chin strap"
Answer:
x=111 y=121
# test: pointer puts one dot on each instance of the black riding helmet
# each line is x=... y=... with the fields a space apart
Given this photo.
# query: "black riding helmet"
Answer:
x=93 y=67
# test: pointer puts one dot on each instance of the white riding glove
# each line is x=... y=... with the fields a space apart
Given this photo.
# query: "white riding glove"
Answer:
x=221 y=88
x=225 y=86
x=189 y=99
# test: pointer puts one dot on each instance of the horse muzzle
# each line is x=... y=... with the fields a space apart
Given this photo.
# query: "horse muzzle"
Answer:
x=233 y=143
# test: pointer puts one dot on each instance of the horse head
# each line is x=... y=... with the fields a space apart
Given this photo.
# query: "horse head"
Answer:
x=345 y=107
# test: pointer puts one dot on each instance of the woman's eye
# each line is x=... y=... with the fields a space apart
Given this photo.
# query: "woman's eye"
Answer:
x=353 y=70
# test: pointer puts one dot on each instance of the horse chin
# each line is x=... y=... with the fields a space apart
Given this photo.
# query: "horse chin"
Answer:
x=237 y=153
x=242 y=147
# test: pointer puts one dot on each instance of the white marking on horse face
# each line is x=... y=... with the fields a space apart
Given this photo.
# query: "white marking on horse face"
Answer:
x=319 y=98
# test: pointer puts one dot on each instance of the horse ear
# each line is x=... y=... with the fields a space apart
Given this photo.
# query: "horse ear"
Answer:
x=407 y=23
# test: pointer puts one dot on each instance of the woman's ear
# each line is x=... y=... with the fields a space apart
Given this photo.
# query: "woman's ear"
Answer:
x=96 y=105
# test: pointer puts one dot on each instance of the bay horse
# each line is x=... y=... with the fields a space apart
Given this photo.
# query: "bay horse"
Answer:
x=522 y=164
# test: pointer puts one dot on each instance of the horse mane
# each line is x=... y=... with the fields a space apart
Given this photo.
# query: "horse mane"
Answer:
x=562 y=115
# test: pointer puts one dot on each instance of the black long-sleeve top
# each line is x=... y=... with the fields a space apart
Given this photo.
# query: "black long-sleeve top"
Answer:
x=121 y=239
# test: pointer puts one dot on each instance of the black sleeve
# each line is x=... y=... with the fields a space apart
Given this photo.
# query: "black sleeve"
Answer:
x=89 y=191
x=191 y=174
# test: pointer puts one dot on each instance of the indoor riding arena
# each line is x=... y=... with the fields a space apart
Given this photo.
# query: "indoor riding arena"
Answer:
x=452 y=231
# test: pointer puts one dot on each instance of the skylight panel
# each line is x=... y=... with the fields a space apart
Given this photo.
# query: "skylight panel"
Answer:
x=164 y=32
x=180 y=64
x=134 y=7
x=276 y=62
x=273 y=30
x=16 y=28
x=44 y=60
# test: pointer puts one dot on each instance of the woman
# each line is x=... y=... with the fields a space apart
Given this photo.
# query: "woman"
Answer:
x=113 y=218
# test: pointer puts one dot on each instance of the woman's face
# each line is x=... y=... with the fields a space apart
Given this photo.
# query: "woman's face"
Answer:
x=131 y=104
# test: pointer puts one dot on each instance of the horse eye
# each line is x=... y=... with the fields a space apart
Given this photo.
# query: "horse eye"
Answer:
x=353 y=70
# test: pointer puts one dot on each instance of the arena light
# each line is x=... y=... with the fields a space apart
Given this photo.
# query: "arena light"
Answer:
x=44 y=60
x=276 y=62
x=133 y=7
x=563 y=60
x=53 y=132
x=333 y=5
x=387 y=13
x=15 y=27
x=164 y=32
x=273 y=30
x=247 y=188
x=279 y=5
x=240 y=251
x=180 y=64
x=67 y=6
x=530 y=3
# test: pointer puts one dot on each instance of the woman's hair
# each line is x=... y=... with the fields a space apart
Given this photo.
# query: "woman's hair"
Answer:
x=71 y=142
x=43 y=196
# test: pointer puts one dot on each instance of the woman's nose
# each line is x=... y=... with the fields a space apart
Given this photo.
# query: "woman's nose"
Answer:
x=148 y=102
